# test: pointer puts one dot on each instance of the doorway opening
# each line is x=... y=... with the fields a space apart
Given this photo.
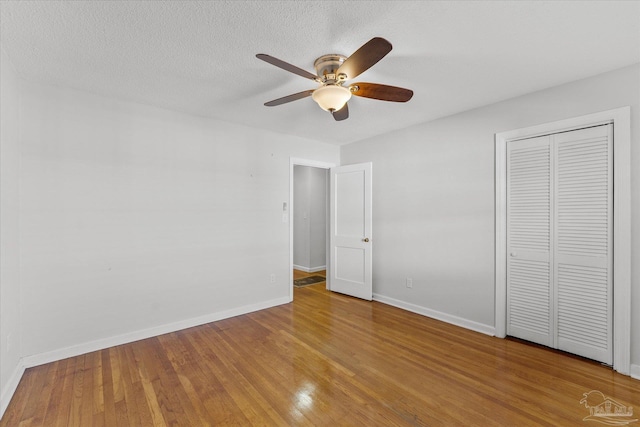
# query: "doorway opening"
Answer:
x=309 y=222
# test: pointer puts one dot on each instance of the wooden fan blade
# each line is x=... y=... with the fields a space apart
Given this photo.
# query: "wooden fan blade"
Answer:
x=289 y=98
x=381 y=92
x=365 y=57
x=341 y=114
x=286 y=66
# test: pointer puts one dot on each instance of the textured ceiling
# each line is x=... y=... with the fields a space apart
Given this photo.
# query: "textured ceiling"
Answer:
x=199 y=56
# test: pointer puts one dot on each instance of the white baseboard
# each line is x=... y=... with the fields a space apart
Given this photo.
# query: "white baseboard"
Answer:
x=309 y=269
x=448 y=318
x=76 y=350
x=635 y=372
x=10 y=388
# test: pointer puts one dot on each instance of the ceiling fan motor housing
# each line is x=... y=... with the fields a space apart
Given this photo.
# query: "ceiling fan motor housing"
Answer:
x=327 y=65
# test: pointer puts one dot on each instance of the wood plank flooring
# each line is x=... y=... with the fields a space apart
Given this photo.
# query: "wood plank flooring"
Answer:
x=324 y=360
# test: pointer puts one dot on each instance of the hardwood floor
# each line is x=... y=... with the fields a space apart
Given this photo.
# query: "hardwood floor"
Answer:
x=325 y=360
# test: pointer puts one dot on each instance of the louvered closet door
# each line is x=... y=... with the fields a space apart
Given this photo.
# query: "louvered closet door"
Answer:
x=529 y=269
x=559 y=240
x=582 y=248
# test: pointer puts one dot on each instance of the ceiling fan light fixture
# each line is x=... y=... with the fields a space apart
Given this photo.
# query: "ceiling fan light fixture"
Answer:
x=331 y=97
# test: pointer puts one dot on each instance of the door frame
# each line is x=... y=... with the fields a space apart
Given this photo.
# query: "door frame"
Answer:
x=621 y=119
x=293 y=161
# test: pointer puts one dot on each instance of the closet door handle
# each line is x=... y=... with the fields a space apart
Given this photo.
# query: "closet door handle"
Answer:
x=366 y=240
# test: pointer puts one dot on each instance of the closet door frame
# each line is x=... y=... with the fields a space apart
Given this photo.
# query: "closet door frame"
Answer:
x=621 y=120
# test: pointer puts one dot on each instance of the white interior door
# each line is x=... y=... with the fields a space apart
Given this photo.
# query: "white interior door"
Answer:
x=529 y=269
x=350 y=266
x=582 y=252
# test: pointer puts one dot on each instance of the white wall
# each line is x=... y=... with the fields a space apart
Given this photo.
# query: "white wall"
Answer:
x=310 y=215
x=136 y=220
x=300 y=211
x=10 y=369
x=434 y=197
x=318 y=186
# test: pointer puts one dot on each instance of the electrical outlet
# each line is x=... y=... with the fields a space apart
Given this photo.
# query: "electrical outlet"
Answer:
x=409 y=282
x=272 y=278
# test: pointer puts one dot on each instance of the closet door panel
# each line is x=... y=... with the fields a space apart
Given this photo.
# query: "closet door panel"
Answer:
x=582 y=248
x=528 y=243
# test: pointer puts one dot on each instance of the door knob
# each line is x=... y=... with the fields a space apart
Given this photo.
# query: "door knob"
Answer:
x=366 y=240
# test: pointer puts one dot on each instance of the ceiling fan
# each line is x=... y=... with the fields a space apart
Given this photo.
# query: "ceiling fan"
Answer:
x=332 y=72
